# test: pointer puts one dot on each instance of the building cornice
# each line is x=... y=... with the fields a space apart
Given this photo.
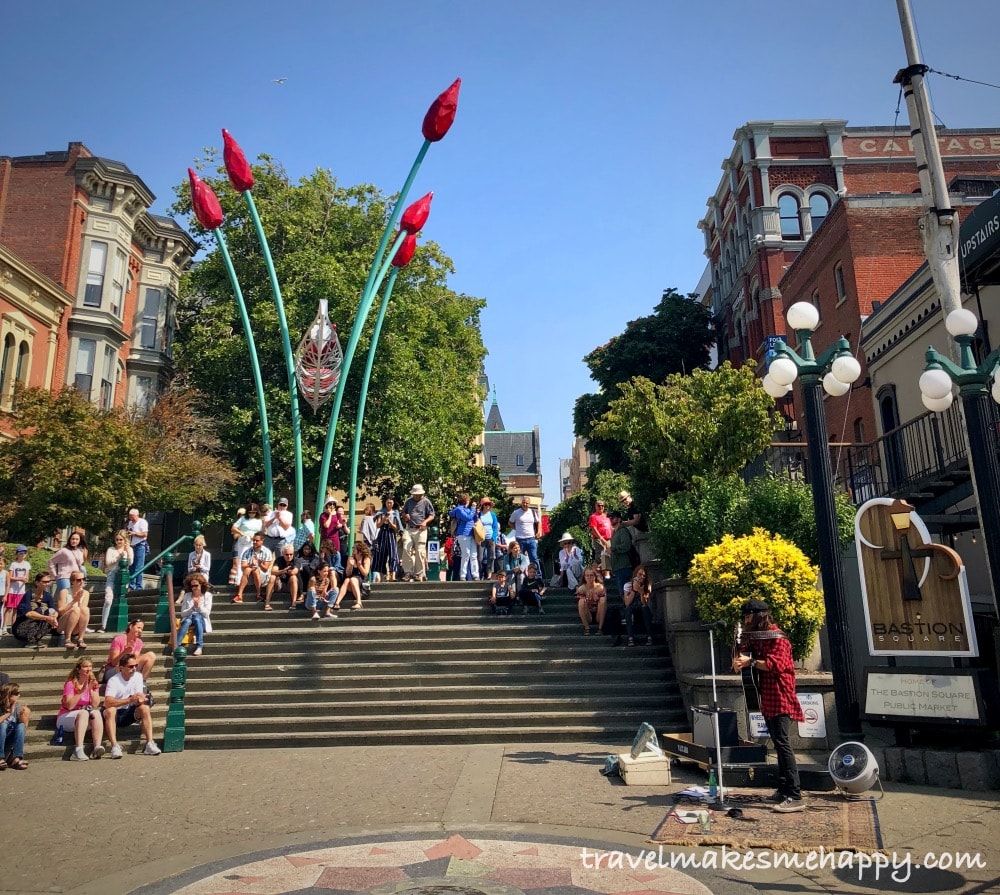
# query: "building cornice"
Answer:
x=31 y=292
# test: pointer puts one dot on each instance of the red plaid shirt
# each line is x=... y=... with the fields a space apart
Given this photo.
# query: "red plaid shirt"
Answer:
x=777 y=682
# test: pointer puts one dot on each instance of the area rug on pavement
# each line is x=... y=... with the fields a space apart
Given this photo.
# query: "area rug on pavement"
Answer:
x=829 y=821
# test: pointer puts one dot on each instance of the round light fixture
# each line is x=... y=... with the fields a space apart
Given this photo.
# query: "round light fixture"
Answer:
x=961 y=322
x=934 y=383
x=834 y=386
x=938 y=405
x=802 y=315
x=773 y=389
x=783 y=371
x=846 y=369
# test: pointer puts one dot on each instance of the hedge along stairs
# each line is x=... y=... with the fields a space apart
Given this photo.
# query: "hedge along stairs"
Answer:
x=421 y=664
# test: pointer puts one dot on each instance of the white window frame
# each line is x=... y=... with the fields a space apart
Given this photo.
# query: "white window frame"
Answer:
x=86 y=358
x=96 y=265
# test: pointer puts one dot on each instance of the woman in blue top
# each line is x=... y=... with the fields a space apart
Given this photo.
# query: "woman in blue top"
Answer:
x=491 y=525
x=463 y=518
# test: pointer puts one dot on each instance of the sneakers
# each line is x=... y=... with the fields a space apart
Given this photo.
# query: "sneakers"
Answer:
x=116 y=751
x=790 y=806
x=151 y=749
x=776 y=797
x=197 y=651
x=97 y=752
x=316 y=616
x=79 y=755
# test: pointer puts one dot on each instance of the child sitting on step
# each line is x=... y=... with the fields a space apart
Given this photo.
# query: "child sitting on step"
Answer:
x=501 y=595
x=322 y=590
x=532 y=590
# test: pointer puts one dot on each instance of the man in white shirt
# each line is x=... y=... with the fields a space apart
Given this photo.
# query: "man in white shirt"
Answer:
x=527 y=524
x=257 y=562
x=138 y=529
x=125 y=703
x=279 y=527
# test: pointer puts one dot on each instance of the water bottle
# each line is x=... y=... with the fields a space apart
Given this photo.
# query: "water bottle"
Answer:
x=713 y=785
x=57 y=737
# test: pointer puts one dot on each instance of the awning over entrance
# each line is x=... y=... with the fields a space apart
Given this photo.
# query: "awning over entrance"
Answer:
x=979 y=238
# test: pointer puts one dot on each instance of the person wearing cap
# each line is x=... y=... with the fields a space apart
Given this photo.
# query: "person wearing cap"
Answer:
x=570 y=562
x=17 y=584
x=138 y=530
x=279 y=527
x=770 y=654
x=418 y=513
x=491 y=525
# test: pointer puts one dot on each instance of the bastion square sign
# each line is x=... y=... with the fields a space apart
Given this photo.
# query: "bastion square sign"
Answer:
x=916 y=593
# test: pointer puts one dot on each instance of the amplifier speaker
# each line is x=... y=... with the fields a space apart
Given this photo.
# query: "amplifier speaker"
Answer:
x=704 y=734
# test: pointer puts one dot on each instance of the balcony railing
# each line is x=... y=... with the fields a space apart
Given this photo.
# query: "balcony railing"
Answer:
x=917 y=460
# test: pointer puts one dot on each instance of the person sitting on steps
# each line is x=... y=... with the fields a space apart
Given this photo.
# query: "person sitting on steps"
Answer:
x=501 y=594
x=592 y=600
x=256 y=562
x=80 y=709
x=126 y=702
x=356 y=576
x=532 y=590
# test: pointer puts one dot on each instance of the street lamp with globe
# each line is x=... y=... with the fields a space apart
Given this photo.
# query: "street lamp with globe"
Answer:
x=834 y=371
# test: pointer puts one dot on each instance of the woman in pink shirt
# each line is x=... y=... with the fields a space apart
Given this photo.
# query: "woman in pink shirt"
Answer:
x=80 y=709
x=131 y=643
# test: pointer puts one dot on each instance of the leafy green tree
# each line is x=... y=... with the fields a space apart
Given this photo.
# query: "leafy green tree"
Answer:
x=71 y=463
x=708 y=423
x=423 y=410
x=675 y=338
x=687 y=522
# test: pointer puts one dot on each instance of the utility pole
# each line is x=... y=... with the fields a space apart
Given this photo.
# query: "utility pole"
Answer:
x=939 y=224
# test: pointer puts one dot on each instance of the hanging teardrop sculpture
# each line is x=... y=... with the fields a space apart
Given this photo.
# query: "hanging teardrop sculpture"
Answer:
x=318 y=359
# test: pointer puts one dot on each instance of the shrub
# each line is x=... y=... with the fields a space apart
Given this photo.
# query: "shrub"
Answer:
x=765 y=567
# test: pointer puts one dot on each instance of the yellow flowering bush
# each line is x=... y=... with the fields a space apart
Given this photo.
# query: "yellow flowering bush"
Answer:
x=764 y=567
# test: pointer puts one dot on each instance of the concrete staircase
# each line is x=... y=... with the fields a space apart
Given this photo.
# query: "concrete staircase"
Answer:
x=421 y=664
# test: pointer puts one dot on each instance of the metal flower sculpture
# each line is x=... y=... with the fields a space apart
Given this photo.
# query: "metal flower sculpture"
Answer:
x=318 y=359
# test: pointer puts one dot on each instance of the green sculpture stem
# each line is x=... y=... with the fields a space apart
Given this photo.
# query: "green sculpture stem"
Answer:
x=265 y=435
x=286 y=344
x=359 y=321
x=363 y=400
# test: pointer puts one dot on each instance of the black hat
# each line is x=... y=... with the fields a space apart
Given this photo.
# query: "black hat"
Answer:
x=752 y=606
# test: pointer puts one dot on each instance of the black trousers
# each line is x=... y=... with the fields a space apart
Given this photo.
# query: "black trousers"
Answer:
x=788 y=772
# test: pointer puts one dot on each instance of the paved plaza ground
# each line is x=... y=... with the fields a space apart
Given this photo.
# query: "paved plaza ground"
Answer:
x=275 y=821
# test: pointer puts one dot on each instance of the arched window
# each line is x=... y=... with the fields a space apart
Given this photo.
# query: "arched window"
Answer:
x=6 y=371
x=788 y=212
x=23 y=363
x=819 y=208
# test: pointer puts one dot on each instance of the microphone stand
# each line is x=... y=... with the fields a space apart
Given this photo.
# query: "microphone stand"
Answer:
x=720 y=802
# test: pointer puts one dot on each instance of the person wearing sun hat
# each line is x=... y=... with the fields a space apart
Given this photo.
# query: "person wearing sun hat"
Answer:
x=491 y=525
x=418 y=513
x=570 y=561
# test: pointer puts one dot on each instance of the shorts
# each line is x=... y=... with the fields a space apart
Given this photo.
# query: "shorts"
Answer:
x=12 y=601
x=125 y=716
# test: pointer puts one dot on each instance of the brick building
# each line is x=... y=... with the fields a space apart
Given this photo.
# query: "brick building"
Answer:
x=88 y=278
x=818 y=211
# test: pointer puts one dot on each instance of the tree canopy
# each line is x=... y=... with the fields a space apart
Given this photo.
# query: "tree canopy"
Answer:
x=675 y=338
x=423 y=411
x=71 y=463
x=708 y=423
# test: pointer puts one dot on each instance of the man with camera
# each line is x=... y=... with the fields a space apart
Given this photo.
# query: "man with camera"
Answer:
x=126 y=701
x=256 y=562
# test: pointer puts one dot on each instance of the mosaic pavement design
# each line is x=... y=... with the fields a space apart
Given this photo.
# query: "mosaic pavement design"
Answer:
x=453 y=865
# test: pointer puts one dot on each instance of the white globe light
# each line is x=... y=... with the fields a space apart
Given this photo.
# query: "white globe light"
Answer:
x=935 y=384
x=938 y=404
x=846 y=369
x=833 y=386
x=783 y=371
x=995 y=391
x=773 y=389
x=961 y=322
x=802 y=315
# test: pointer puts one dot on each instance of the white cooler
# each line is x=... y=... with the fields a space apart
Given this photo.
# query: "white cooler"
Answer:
x=646 y=770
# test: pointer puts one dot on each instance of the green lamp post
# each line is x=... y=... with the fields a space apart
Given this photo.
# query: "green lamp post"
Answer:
x=833 y=372
x=979 y=389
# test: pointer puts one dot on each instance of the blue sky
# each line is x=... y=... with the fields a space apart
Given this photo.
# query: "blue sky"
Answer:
x=589 y=134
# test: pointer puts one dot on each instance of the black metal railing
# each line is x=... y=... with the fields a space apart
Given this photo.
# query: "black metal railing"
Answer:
x=903 y=461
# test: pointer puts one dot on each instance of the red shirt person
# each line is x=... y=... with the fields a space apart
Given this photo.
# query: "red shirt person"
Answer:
x=770 y=654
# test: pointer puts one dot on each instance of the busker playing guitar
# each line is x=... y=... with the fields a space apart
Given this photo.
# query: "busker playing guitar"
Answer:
x=766 y=649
